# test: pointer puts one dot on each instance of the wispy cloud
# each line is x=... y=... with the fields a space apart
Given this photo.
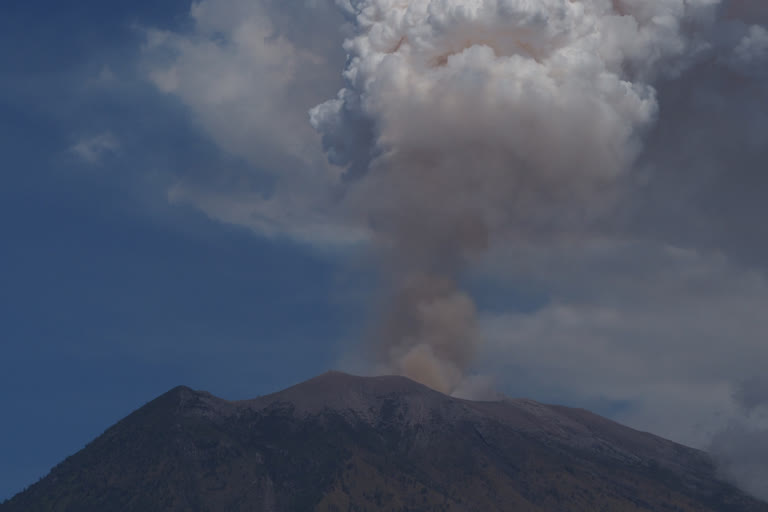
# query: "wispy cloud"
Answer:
x=249 y=71
x=93 y=149
x=671 y=331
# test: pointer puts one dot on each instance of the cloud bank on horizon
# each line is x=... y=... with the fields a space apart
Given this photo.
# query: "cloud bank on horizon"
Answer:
x=607 y=153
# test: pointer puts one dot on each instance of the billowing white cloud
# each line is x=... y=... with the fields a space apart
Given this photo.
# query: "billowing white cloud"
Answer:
x=466 y=123
x=609 y=153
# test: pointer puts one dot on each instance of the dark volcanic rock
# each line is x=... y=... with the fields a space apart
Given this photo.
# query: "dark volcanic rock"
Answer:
x=344 y=443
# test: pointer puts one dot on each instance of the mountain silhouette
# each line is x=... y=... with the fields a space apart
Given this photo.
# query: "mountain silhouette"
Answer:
x=344 y=443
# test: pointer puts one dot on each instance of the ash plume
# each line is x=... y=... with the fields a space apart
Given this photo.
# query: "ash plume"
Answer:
x=463 y=122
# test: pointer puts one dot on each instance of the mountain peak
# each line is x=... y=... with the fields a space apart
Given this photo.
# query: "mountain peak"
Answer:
x=340 y=442
x=336 y=380
x=351 y=395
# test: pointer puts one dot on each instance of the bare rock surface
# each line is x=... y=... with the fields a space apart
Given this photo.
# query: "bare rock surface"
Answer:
x=344 y=443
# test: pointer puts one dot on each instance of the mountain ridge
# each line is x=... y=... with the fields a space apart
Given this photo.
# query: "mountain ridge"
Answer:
x=342 y=442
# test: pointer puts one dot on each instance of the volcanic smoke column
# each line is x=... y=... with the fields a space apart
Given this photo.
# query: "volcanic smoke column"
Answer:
x=468 y=121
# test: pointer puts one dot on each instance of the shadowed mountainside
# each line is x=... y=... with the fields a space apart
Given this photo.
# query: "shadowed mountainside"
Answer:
x=344 y=443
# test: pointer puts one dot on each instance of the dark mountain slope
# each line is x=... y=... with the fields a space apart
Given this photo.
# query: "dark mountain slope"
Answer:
x=344 y=443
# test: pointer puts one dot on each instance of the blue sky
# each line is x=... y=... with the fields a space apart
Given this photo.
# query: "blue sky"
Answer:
x=110 y=296
x=168 y=216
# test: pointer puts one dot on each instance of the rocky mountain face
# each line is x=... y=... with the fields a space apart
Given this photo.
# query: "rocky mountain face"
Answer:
x=344 y=443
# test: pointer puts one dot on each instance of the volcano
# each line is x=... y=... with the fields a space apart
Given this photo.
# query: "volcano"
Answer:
x=345 y=443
